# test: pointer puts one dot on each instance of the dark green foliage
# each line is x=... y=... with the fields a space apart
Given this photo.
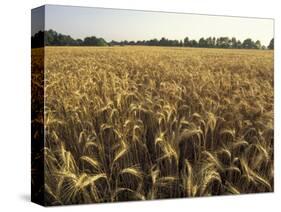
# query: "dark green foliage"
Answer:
x=37 y=40
x=52 y=38
x=94 y=41
x=249 y=44
x=271 y=44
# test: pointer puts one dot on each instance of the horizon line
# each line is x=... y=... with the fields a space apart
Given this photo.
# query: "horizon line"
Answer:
x=190 y=39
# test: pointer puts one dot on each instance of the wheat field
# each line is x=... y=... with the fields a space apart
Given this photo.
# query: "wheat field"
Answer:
x=144 y=123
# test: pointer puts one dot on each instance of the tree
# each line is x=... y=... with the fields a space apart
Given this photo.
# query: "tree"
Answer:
x=238 y=44
x=193 y=43
x=163 y=42
x=181 y=43
x=94 y=41
x=210 y=42
x=140 y=42
x=226 y=42
x=79 y=42
x=202 y=42
x=233 y=43
x=271 y=44
x=248 y=44
x=132 y=43
x=257 y=44
x=186 y=42
x=214 y=42
x=174 y=43
x=223 y=42
x=153 y=42
x=37 y=40
x=52 y=38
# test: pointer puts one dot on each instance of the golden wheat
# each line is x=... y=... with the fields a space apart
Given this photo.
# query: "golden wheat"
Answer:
x=137 y=123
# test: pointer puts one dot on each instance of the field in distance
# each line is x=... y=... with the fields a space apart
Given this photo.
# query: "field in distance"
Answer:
x=137 y=123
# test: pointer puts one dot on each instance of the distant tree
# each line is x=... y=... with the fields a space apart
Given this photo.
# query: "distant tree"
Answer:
x=193 y=43
x=153 y=42
x=101 y=42
x=257 y=44
x=126 y=42
x=163 y=42
x=233 y=43
x=186 y=42
x=89 y=41
x=37 y=40
x=248 y=44
x=52 y=38
x=209 y=42
x=139 y=42
x=214 y=42
x=79 y=42
x=238 y=44
x=271 y=44
x=226 y=42
x=202 y=42
x=113 y=43
x=181 y=43
x=174 y=43
x=223 y=42
x=94 y=41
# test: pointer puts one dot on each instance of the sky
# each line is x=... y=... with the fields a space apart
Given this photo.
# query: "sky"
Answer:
x=116 y=24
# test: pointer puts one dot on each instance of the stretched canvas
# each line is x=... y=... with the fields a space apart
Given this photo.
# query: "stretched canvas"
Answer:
x=139 y=105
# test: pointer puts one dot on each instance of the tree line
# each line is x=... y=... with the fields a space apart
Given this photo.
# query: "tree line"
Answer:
x=52 y=38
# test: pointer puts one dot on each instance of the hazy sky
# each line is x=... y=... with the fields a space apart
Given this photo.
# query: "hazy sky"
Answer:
x=114 y=24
